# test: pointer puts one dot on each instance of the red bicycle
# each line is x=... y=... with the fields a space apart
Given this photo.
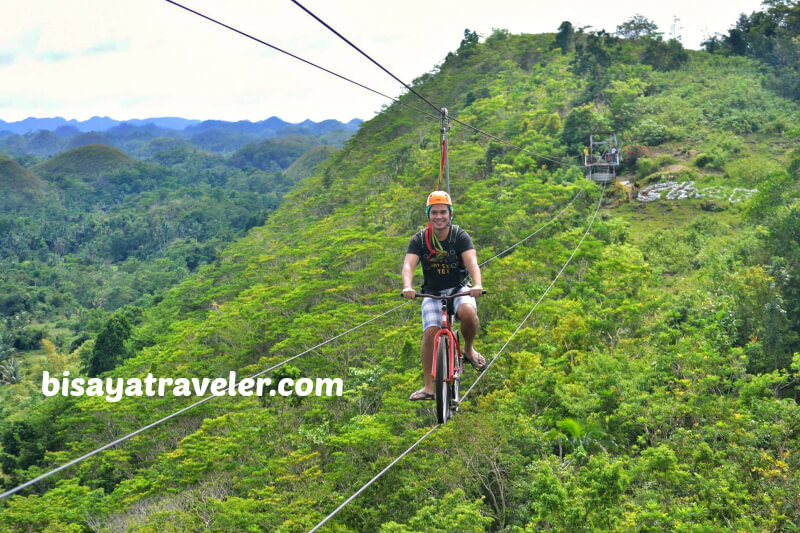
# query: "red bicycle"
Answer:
x=448 y=360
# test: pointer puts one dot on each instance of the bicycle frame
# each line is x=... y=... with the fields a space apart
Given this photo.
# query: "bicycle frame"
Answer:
x=447 y=329
x=454 y=346
x=447 y=387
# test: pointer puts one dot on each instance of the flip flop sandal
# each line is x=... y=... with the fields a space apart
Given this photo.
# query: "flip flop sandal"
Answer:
x=477 y=366
x=421 y=396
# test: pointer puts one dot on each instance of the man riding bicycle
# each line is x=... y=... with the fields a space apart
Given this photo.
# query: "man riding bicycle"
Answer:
x=447 y=255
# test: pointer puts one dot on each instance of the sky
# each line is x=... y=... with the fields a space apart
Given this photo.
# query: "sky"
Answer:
x=131 y=59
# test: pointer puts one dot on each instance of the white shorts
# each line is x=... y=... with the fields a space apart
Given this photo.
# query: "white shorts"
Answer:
x=432 y=309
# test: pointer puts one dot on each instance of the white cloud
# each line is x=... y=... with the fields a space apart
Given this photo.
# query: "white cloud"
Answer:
x=78 y=58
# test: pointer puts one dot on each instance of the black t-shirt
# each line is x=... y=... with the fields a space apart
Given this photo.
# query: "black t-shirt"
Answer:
x=442 y=271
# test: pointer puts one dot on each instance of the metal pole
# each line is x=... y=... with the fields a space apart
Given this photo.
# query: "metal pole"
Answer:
x=445 y=127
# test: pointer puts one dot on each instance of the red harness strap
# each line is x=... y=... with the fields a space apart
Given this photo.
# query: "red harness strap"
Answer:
x=429 y=241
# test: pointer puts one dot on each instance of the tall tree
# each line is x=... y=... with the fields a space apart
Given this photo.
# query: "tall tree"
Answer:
x=565 y=38
x=110 y=348
x=637 y=27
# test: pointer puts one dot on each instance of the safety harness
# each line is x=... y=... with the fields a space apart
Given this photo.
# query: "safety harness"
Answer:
x=432 y=242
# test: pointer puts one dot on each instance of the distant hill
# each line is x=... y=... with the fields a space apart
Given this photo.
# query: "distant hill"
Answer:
x=86 y=139
x=19 y=185
x=272 y=154
x=93 y=124
x=86 y=162
x=41 y=143
x=162 y=144
x=15 y=177
x=171 y=123
x=46 y=137
x=44 y=142
x=306 y=164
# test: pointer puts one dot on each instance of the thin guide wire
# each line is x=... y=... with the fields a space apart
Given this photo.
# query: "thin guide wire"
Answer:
x=437 y=426
x=181 y=411
x=552 y=283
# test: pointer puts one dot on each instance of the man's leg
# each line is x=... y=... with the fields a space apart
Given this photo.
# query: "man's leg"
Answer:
x=427 y=357
x=427 y=362
x=468 y=316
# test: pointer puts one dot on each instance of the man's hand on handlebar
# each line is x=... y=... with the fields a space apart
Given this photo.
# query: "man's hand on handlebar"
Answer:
x=409 y=293
x=476 y=291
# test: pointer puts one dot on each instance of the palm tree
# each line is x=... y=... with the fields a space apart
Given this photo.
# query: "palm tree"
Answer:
x=11 y=370
x=581 y=438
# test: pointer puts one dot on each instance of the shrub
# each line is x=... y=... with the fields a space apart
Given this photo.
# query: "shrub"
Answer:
x=778 y=126
x=630 y=154
x=705 y=160
x=665 y=160
x=720 y=148
x=645 y=167
x=650 y=132
x=29 y=338
x=727 y=142
x=751 y=170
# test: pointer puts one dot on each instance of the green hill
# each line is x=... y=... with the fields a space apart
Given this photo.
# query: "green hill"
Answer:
x=88 y=162
x=162 y=144
x=273 y=154
x=653 y=389
x=15 y=177
x=306 y=164
x=20 y=186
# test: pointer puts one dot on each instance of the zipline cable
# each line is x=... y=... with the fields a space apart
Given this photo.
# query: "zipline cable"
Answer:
x=261 y=373
x=411 y=89
x=495 y=256
x=371 y=481
x=437 y=426
x=552 y=283
x=397 y=100
x=307 y=62
x=181 y=411
x=207 y=399
x=342 y=37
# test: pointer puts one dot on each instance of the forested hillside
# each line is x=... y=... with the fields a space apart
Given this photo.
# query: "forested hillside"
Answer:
x=93 y=231
x=654 y=389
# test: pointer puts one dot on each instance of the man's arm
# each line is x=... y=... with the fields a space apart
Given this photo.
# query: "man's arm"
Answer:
x=470 y=258
x=409 y=264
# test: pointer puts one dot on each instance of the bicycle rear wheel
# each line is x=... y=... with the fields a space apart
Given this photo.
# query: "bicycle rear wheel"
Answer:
x=441 y=388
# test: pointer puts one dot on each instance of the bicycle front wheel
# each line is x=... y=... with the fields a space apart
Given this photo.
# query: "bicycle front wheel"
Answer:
x=455 y=387
x=441 y=387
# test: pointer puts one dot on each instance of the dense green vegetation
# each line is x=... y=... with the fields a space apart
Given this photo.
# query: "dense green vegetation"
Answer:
x=91 y=230
x=655 y=389
x=771 y=37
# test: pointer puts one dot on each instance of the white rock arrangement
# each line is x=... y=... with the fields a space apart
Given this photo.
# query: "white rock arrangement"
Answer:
x=683 y=190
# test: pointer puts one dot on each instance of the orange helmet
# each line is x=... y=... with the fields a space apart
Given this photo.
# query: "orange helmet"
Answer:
x=438 y=197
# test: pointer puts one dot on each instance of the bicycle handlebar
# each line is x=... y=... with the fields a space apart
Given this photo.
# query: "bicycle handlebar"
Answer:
x=444 y=297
